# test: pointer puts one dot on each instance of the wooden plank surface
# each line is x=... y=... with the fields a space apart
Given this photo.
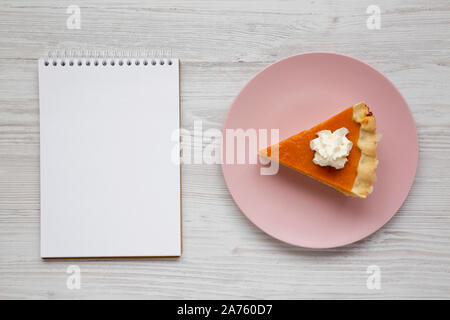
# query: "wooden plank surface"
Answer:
x=222 y=45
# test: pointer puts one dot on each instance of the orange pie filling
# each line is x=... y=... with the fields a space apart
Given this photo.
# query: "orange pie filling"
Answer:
x=358 y=174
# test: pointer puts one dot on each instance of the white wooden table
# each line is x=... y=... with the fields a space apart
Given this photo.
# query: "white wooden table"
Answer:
x=222 y=45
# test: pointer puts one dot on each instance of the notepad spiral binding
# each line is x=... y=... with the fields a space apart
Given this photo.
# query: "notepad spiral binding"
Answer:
x=88 y=57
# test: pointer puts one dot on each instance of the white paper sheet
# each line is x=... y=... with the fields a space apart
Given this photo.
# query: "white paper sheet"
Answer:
x=109 y=187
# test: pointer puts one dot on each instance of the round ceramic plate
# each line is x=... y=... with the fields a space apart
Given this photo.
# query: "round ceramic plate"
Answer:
x=297 y=93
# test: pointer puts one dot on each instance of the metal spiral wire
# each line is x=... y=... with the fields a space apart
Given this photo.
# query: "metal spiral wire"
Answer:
x=107 y=57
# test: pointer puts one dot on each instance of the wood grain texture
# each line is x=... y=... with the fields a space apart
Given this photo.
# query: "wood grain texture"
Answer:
x=222 y=45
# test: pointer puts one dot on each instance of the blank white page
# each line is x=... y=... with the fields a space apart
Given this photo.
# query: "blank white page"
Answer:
x=109 y=186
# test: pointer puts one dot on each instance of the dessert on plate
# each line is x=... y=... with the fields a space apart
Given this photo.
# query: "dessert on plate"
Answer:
x=340 y=152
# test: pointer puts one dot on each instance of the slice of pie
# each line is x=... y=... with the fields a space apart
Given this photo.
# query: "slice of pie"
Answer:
x=340 y=152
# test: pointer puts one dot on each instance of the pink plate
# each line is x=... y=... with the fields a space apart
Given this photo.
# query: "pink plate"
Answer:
x=294 y=94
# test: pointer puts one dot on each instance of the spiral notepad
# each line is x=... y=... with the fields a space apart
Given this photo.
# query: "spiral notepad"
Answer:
x=110 y=186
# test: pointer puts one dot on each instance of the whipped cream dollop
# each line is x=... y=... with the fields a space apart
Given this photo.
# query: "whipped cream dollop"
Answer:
x=332 y=149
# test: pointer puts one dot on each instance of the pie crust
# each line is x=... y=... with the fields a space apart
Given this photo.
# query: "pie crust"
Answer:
x=367 y=143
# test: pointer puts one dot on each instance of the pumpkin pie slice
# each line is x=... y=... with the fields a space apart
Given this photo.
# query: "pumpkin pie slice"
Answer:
x=340 y=152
